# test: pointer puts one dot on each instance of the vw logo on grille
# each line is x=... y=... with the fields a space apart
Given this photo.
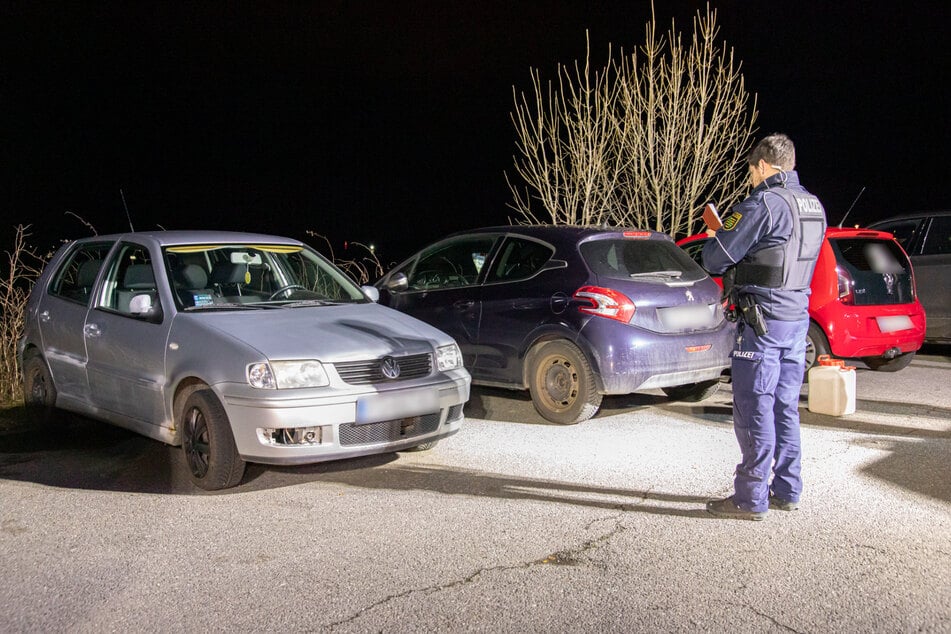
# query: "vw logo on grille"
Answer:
x=389 y=367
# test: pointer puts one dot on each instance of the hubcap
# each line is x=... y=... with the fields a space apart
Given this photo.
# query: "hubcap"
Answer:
x=195 y=442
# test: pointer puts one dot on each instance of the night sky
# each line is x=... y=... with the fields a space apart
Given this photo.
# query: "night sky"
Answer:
x=388 y=122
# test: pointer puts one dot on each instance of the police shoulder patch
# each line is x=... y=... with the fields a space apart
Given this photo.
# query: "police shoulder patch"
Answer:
x=730 y=222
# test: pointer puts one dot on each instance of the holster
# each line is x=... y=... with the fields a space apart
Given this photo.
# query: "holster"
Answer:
x=752 y=314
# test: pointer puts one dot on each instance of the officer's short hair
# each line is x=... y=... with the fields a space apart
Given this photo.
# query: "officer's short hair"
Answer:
x=776 y=149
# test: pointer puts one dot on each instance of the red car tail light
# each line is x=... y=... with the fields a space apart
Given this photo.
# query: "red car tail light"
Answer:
x=606 y=302
x=845 y=281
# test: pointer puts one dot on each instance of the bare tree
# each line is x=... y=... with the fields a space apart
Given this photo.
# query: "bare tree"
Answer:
x=24 y=265
x=646 y=141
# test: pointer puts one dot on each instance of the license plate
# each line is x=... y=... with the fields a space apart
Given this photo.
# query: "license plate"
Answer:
x=894 y=323
x=686 y=317
x=390 y=406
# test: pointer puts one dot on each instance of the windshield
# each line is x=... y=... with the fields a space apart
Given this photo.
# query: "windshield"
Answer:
x=232 y=275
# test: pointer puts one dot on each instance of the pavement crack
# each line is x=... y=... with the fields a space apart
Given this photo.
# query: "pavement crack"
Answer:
x=569 y=557
x=770 y=618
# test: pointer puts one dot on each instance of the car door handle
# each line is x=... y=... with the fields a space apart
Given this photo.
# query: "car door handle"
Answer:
x=92 y=330
x=463 y=304
x=44 y=316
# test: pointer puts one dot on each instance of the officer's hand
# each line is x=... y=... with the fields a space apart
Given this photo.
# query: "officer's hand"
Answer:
x=711 y=233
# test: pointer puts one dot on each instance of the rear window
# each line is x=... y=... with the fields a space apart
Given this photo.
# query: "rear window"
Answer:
x=647 y=260
x=879 y=270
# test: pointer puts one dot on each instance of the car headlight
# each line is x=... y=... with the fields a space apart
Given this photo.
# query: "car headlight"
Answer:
x=448 y=357
x=281 y=375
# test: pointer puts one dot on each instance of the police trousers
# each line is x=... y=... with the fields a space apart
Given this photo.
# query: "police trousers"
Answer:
x=767 y=378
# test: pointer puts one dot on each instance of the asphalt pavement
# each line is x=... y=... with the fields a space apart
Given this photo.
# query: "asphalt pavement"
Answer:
x=512 y=525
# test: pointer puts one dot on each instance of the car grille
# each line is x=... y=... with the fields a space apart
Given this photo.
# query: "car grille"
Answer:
x=388 y=430
x=412 y=366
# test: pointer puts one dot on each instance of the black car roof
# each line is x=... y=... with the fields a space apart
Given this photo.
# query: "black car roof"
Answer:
x=911 y=216
x=555 y=232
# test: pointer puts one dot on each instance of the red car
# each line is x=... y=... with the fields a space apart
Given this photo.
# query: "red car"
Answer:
x=863 y=303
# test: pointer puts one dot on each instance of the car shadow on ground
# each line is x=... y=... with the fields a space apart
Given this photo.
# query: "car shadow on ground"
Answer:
x=497 y=404
x=81 y=453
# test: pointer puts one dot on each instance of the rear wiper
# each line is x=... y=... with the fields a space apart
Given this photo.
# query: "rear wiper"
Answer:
x=658 y=274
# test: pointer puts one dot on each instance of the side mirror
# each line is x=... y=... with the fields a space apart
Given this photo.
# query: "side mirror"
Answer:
x=397 y=282
x=372 y=293
x=141 y=306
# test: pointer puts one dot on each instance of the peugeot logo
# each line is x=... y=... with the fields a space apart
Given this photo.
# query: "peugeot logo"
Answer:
x=690 y=297
x=389 y=367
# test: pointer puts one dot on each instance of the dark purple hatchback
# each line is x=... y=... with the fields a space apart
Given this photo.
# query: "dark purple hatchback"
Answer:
x=570 y=313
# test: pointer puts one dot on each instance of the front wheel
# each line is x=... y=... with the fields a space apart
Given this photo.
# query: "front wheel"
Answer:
x=562 y=384
x=889 y=365
x=693 y=392
x=208 y=444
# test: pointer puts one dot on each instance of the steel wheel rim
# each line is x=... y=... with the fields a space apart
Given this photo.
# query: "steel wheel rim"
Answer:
x=196 y=442
x=561 y=382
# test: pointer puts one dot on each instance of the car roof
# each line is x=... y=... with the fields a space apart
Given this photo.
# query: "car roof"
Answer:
x=181 y=237
x=831 y=232
x=857 y=232
x=556 y=232
x=912 y=216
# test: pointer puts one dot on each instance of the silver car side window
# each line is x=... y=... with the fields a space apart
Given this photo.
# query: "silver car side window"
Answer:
x=75 y=278
x=130 y=274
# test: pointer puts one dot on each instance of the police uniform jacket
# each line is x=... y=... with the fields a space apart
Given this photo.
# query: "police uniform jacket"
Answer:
x=764 y=219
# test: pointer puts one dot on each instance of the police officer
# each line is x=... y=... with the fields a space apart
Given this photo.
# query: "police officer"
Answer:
x=768 y=244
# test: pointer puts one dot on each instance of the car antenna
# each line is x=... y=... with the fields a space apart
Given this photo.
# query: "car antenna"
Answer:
x=841 y=222
x=127 y=214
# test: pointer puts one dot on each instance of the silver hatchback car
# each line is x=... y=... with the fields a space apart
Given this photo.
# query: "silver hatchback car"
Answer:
x=238 y=347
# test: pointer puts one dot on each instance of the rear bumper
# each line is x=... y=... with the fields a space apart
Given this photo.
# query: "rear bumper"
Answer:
x=628 y=359
x=854 y=331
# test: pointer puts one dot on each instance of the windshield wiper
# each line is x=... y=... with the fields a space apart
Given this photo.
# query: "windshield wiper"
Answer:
x=227 y=306
x=311 y=302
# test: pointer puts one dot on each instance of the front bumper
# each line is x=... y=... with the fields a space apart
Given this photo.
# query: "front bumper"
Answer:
x=355 y=423
x=628 y=359
x=853 y=331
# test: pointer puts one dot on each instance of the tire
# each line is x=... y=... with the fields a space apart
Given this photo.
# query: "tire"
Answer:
x=208 y=444
x=426 y=446
x=816 y=345
x=562 y=384
x=39 y=392
x=889 y=365
x=693 y=392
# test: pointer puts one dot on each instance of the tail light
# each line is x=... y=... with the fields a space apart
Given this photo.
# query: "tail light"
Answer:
x=605 y=302
x=846 y=283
